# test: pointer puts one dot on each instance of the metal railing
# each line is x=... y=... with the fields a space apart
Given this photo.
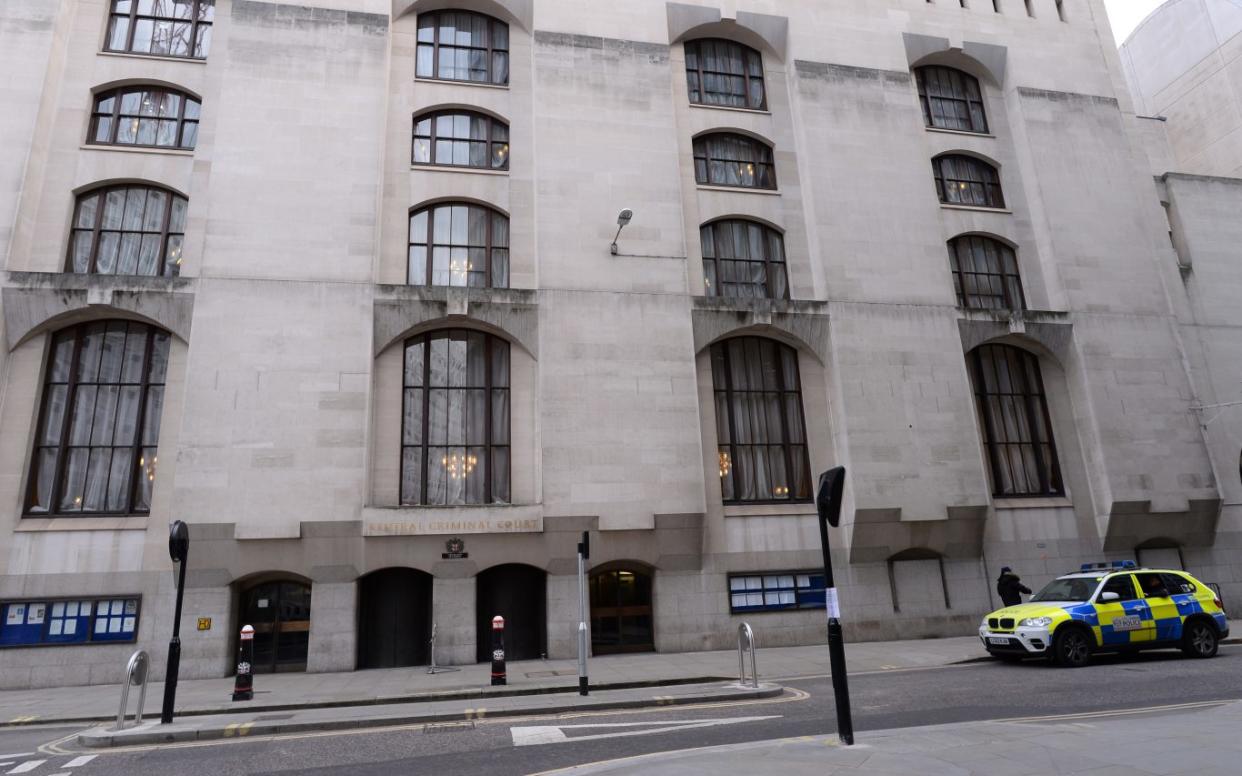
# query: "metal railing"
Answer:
x=135 y=674
x=746 y=640
x=433 y=668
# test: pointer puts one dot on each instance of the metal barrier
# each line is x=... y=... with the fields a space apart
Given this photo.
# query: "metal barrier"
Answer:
x=433 y=668
x=744 y=632
x=135 y=674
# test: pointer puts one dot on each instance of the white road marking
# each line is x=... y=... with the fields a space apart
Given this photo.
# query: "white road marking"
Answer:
x=27 y=766
x=554 y=734
x=80 y=761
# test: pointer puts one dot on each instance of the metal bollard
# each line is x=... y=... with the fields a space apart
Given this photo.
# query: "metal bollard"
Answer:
x=498 y=650
x=135 y=673
x=243 y=682
x=746 y=639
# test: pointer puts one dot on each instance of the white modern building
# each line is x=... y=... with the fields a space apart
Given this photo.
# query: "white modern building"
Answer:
x=334 y=285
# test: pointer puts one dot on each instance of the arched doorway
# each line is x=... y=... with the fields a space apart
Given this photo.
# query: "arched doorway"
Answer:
x=516 y=592
x=621 y=616
x=394 y=618
x=279 y=610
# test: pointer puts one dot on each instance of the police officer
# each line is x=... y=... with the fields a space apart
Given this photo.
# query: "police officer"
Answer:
x=1010 y=588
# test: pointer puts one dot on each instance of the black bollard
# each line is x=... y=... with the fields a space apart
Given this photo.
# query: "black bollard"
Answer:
x=498 y=650
x=243 y=683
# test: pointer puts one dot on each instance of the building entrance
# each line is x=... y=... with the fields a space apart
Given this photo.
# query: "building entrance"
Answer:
x=621 y=617
x=280 y=612
x=394 y=618
x=516 y=592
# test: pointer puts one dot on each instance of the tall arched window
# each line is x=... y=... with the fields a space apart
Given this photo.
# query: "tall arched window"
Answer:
x=144 y=116
x=462 y=46
x=967 y=180
x=461 y=138
x=721 y=72
x=743 y=259
x=455 y=423
x=171 y=28
x=762 y=453
x=456 y=244
x=1017 y=429
x=985 y=274
x=96 y=442
x=729 y=159
x=131 y=229
x=951 y=99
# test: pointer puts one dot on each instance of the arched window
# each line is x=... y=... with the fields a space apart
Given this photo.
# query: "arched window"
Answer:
x=762 y=451
x=463 y=46
x=985 y=274
x=951 y=99
x=95 y=446
x=131 y=229
x=455 y=424
x=461 y=139
x=967 y=180
x=721 y=72
x=1017 y=429
x=727 y=159
x=144 y=116
x=456 y=244
x=743 y=259
x=171 y=28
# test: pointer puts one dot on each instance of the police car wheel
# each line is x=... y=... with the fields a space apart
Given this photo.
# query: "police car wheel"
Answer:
x=1200 y=640
x=1071 y=649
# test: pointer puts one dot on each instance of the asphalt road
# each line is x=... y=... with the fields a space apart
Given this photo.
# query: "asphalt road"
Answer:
x=884 y=700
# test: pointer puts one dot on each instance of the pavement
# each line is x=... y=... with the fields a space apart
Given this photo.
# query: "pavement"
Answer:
x=1199 y=739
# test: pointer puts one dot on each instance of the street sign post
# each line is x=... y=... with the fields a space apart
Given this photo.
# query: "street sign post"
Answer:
x=584 y=552
x=178 y=550
x=828 y=505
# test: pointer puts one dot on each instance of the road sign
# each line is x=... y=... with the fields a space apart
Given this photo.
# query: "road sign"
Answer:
x=555 y=734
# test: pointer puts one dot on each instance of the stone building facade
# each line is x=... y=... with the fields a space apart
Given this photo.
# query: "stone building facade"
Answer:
x=333 y=284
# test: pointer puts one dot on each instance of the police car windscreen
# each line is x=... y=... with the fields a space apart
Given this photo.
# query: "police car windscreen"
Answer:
x=1076 y=589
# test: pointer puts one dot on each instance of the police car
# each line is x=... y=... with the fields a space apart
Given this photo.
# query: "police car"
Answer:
x=1109 y=607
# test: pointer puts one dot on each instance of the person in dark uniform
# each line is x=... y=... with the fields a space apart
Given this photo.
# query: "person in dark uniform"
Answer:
x=1010 y=588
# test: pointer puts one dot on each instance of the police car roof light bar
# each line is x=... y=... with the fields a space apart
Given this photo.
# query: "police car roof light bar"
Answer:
x=1109 y=565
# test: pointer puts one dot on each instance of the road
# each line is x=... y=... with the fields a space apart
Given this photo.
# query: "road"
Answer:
x=881 y=700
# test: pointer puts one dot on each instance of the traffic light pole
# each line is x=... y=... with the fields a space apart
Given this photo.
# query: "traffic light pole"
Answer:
x=584 y=552
x=828 y=505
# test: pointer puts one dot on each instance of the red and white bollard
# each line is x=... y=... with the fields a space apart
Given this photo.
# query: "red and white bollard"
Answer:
x=498 y=650
x=243 y=683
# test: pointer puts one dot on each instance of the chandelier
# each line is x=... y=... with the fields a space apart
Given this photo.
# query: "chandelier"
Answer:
x=459 y=467
x=725 y=465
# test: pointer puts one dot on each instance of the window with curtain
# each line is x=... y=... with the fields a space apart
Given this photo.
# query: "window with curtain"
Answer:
x=1017 y=429
x=144 y=116
x=171 y=28
x=130 y=229
x=457 y=244
x=455 y=420
x=762 y=454
x=728 y=159
x=951 y=99
x=985 y=274
x=99 y=425
x=462 y=46
x=743 y=259
x=967 y=180
x=461 y=139
x=724 y=73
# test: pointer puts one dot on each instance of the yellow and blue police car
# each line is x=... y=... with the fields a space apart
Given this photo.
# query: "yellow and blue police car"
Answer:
x=1109 y=607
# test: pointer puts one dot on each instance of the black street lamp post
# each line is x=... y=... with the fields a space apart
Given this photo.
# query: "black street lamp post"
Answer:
x=828 y=504
x=179 y=549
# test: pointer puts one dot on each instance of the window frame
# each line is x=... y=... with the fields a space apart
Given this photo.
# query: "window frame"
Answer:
x=491 y=143
x=490 y=49
x=765 y=158
x=116 y=95
x=785 y=442
x=746 y=53
x=993 y=193
x=770 y=265
x=132 y=17
x=967 y=80
x=811 y=590
x=490 y=388
x=1012 y=295
x=1034 y=406
x=97 y=230
x=72 y=385
x=489 y=246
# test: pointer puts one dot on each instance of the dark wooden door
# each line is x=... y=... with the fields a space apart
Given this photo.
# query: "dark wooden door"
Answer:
x=394 y=618
x=621 y=615
x=517 y=593
x=279 y=612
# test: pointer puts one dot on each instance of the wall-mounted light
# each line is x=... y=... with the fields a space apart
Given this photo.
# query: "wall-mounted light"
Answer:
x=623 y=218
